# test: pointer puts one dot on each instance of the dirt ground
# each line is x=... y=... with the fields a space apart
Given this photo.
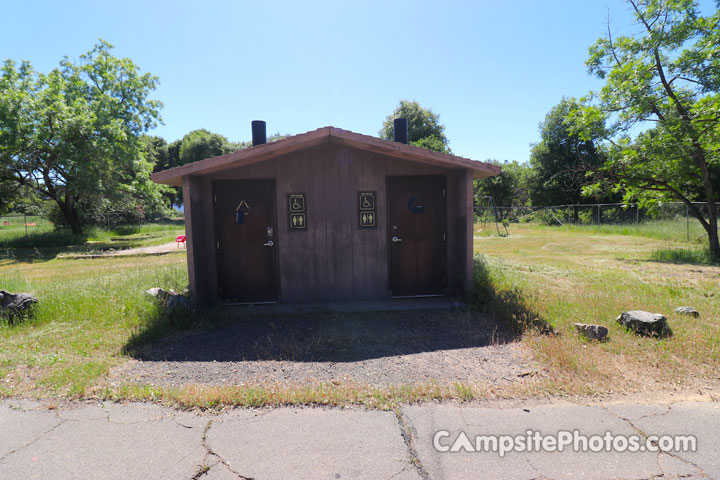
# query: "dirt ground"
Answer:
x=152 y=250
x=381 y=349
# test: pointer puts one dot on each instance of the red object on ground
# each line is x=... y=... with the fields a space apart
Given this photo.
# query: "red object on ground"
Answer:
x=30 y=224
x=180 y=239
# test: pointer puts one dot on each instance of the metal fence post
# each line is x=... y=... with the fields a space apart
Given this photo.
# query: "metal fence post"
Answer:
x=687 y=221
x=25 y=222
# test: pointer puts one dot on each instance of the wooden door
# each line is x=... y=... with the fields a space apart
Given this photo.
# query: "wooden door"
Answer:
x=417 y=235
x=246 y=240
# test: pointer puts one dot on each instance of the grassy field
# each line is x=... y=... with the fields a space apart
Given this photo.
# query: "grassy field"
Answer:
x=88 y=308
x=14 y=226
x=46 y=243
x=668 y=230
x=92 y=309
x=562 y=275
x=88 y=311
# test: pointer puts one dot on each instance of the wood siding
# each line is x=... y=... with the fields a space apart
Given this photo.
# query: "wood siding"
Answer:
x=333 y=259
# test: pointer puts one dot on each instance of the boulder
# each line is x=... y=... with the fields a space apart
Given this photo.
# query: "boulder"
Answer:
x=169 y=298
x=593 y=332
x=688 y=311
x=177 y=302
x=15 y=302
x=645 y=323
x=160 y=293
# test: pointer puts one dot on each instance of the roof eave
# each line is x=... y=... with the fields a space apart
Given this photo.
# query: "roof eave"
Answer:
x=259 y=153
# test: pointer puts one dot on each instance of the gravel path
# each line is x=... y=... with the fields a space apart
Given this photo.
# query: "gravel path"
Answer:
x=371 y=348
x=155 y=249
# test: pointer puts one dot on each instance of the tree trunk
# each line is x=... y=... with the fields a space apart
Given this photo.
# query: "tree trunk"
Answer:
x=714 y=244
x=71 y=216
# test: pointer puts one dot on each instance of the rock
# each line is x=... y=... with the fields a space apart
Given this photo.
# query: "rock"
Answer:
x=15 y=302
x=645 y=323
x=177 y=302
x=159 y=293
x=593 y=332
x=687 y=311
x=169 y=298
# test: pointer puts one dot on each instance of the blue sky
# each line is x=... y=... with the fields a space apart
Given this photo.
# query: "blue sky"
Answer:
x=492 y=70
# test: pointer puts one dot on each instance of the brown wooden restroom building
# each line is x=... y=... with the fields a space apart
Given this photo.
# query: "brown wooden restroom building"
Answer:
x=328 y=215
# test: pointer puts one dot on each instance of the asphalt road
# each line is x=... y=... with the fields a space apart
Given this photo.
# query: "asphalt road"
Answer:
x=144 y=441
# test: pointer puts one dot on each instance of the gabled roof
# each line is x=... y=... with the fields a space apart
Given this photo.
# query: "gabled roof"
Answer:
x=259 y=153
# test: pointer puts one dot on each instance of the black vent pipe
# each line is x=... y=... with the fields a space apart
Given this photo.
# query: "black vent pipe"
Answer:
x=400 y=130
x=259 y=134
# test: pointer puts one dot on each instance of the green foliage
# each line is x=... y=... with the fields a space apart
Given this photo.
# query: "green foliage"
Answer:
x=201 y=144
x=424 y=127
x=73 y=135
x=156 y=152
x=194 y=146
x=510 y=188
x=666 y=82
x=562 y=160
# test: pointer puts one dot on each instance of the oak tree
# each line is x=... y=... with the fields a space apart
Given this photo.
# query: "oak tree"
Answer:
x=424 y=127
x=662 y=99
x=73 y=134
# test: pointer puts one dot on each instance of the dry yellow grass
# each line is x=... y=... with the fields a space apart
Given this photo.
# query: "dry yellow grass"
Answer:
x=566 y=277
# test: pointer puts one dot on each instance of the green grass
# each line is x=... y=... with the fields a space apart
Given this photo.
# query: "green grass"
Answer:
x=48 y=243
x=670 y=230
x=88 y=310
x=695 y=256
x=565 y=275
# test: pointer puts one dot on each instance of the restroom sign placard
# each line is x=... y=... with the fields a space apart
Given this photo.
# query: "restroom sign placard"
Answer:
x=296 y=210
x=367 y=214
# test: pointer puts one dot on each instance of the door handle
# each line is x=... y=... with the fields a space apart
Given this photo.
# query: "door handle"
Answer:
x=269 y=243
x=397 y=239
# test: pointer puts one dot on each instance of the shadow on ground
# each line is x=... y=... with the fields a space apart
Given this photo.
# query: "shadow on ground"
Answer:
x=325 y=337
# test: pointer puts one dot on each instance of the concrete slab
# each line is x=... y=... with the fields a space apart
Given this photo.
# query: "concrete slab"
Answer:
x=150 y=444
x=22 y=424
x=219 y=472
x=426 y=420
x=138 y=440
x=701 y=420
x=312 y=443
x=357 y=306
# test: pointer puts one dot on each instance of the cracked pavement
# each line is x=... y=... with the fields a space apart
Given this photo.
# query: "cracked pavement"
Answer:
x=146 y=441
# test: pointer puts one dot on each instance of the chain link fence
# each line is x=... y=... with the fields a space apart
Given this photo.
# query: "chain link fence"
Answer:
x=28 y=224
x=677 y=214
